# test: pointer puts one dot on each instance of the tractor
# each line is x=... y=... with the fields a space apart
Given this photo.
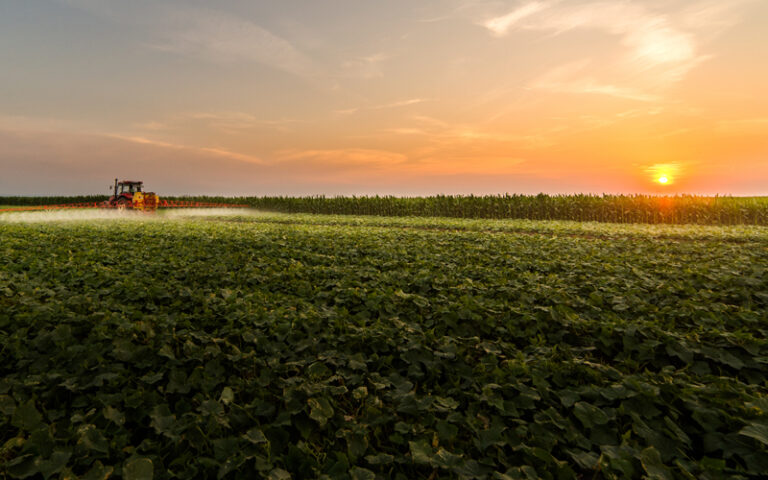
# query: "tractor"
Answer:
x=130 y=195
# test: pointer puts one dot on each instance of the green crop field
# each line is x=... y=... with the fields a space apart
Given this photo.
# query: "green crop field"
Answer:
x=311 y=346
x=648 y=209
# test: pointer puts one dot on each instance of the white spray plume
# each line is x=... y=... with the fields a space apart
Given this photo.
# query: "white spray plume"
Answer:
x=209 y=212
x=42 y=216
x=37 y=216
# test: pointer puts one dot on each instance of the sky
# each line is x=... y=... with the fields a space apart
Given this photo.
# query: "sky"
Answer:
x=353 y=97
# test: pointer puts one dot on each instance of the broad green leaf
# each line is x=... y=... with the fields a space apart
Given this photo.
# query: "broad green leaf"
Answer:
x=589 y=415
x=473 y=469
x=278 y=474
x=587 y=460
x=23 y=466
x=654 y=467
x=359 y=473
x=379 y=459
x=421 y=451
x=713 y=464
x=11 y=444
x=445 y=459
x=529 y=472
x=759 y=404
x=320 y=410
x=55 y=464
x=138 y=468
x=152 y=377
x=447 y=431
x=357 y=445
x=231 y=464
x=318 y=370
x=162 y=420
x=41 y=442
x=490 y=437
x=255 y=436
x=98 y=472
x=26 y=416
x=227 y=396
x=211 y=407
x=167 y=351
x=758 y=431
x=443 y=404
x=7 y=405
x=114 y=415
x=225 y=448
x=360 y=393
x=93 y=439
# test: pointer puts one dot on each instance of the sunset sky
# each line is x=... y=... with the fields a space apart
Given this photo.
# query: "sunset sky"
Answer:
x=384 y=97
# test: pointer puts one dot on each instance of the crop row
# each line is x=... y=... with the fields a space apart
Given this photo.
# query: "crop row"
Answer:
x=240 y=349
x=607 y=208
x=686 y=209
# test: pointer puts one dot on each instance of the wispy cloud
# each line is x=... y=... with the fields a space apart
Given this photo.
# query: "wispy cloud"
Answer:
x=84 y=163
x=445 y=10
x=215 y=151
x=338 y=164
x=220 y=121
x=44 y=126
x=22 y=123
x=651 y=37
x=208 y=34
x=396 y=104
x=662 y=46
x=711 y=17
x=354 y=164
x=501 y=25
x=347 y=111
x=401 y=103
x=574 y=77
x=744 y=126
x=367 y=67
x=224 y=38
x=451 y=135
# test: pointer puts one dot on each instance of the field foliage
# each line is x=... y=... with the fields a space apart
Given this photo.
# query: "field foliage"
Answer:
x=686 y=209
x=358 y=348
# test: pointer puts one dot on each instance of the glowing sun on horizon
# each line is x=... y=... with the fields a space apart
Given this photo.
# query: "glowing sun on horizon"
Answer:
x=663 y=174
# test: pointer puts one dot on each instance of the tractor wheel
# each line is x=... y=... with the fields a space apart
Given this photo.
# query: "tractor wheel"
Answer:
x=123 y=204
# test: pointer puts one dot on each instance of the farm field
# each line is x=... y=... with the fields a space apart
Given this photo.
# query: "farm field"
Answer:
x=306 y=346
x=625 y=209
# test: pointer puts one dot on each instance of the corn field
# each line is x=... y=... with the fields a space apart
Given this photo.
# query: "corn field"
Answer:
x=683 y=209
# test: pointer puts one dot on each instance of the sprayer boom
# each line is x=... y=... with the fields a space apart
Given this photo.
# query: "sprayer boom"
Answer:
x=128 y=195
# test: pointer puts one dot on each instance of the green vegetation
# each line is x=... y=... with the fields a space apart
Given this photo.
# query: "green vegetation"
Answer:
x=363 y=348
x=685 y=209
x=607 y=208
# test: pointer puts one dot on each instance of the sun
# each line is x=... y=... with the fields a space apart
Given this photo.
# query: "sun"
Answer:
x=664 y=174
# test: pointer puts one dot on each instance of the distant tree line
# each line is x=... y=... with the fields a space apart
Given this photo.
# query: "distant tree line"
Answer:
x=51 y=200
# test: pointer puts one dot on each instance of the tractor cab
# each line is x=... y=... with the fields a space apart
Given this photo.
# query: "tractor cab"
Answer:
x=128 y=187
